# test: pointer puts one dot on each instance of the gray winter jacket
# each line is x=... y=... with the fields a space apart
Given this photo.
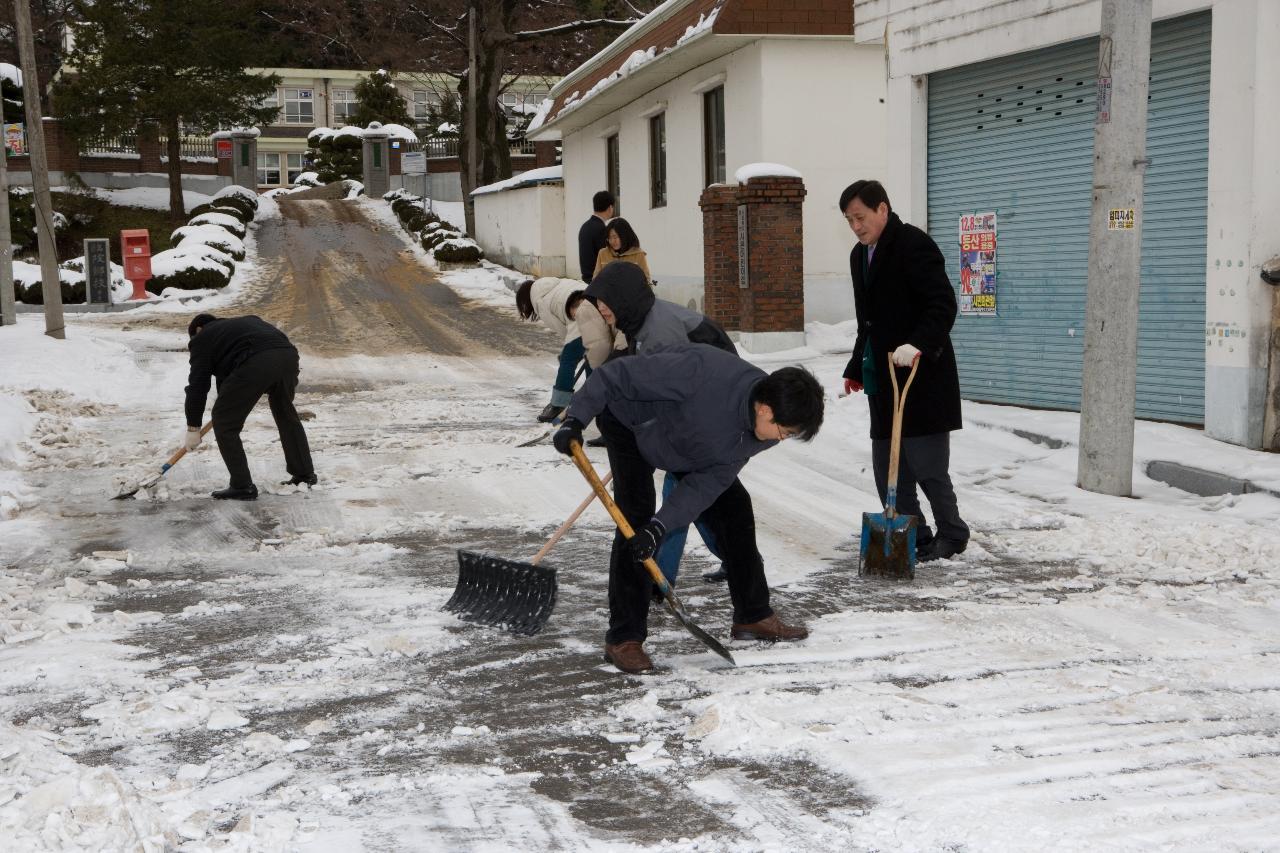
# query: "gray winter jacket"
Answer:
x=647 y=321
x=690 y=409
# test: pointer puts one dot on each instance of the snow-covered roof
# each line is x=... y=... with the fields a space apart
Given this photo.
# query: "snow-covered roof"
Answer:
x=676 y=37
x=524 y=179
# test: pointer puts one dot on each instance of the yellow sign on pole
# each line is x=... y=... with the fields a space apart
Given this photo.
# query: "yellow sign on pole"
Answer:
x=1120 y=219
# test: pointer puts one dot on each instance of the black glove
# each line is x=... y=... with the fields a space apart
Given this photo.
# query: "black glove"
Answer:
x=644 y=544
x=569 y=432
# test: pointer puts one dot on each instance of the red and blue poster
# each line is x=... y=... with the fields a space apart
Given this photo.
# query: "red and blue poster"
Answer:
x=978 y=264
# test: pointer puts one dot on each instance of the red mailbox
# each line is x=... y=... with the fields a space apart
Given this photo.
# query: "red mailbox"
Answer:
x=135 y=249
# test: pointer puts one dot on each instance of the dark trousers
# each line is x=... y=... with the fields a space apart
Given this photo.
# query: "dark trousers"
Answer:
x=924 y=460
x=730 y=519
x=274 y=373
x=570 y=354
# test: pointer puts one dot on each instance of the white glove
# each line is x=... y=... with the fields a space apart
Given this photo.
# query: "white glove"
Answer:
x=905 y=355
x=192 y=439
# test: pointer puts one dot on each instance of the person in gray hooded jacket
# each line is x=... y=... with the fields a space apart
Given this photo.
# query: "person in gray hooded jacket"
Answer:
x=626 y=301
x=622 y=296
x=701 y=414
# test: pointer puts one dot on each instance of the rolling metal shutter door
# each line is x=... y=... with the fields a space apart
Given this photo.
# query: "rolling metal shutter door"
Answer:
x=1015 y=136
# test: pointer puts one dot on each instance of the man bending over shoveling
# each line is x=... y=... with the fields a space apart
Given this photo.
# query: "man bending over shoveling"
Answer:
x=700 y=413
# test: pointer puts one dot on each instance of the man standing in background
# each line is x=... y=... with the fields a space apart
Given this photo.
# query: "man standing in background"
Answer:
x=592 y=236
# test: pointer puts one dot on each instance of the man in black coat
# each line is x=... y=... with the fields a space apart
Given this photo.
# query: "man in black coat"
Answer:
x=249 y=357
x=592 y=236
x=700 y=413
x=906 y=307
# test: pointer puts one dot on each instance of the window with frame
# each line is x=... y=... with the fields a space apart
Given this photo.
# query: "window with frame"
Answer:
x=299 y=106
x=713 y=136
x=344 y=106
x=613 y=179
x=510 y=99
x=424 y=101
x=293 y=167
x=658 y=160
x=268 y=170
x=272 y=100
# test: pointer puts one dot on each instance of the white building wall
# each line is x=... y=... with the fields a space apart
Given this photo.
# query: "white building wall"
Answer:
x=812 y=104
x=523 y=228
x=1244 y=172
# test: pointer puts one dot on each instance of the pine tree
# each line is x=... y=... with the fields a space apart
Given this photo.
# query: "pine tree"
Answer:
x=178 y=63
x=377 y=99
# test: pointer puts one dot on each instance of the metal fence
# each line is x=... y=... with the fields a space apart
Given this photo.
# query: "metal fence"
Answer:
x=439 y=148
x=125 y=143
x=192 y=146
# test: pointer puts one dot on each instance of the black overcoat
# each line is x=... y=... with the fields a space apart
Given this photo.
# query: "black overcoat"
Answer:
x=906 y=297
x=592 y=237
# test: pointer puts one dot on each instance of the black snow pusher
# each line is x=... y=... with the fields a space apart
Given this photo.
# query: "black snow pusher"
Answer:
x=509 y=594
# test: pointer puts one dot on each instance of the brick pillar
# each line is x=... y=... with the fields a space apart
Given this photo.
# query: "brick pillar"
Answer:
x=773 y=302
x=722 y=299
x=149 y=148
x=60 y=147
x=545 y=154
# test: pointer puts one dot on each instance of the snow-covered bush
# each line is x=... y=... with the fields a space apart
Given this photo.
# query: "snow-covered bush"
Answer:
x=186 y=271
x=436 y=233
x=210 y=235
x=241 y=198
x=336 y=154
x=203 y=250
x=241 y=213
x=27 y=285
x=222 y=220
x=458 y=250
x=308 y=179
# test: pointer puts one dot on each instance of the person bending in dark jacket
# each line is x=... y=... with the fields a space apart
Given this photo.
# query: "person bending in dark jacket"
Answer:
x=249 y=357
x=701 y=413
x=625 y=300
x=906 y=307
x=593 y=235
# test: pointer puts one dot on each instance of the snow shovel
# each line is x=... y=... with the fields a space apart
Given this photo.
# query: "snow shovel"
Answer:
x=668 y=594
x=149 y=482
x=889 y=540
x=508 y=593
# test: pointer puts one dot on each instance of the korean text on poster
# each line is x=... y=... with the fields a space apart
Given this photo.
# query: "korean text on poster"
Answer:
x=978 y=263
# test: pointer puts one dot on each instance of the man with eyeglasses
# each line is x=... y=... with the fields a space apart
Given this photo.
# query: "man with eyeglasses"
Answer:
x=700 y=413
x=906 y=307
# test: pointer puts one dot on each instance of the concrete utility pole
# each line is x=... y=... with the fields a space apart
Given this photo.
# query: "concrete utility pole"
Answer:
x=469 y=206
x=1115 y=250
x=51 y=284
x=8 y=311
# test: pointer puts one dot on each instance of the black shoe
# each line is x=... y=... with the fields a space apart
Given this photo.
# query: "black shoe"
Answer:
x=236 y=493
x=550 y=413
x=309 y=480
x=598 y=441
x=941 y=549
x=718 y=576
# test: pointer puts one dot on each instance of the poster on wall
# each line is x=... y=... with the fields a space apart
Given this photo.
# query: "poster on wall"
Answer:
x=978 y=264
x=15 y=139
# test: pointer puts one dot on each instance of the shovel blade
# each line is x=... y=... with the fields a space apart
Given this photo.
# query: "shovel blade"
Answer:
x=676 y=607
x=508 y=594
x=888 y=546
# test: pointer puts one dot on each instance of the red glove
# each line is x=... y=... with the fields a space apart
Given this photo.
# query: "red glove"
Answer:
x=851 y=385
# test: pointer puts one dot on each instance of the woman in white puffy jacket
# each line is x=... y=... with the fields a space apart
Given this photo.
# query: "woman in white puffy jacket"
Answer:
x=558 y=303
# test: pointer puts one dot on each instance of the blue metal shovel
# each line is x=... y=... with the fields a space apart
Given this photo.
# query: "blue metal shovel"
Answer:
x=888 y=546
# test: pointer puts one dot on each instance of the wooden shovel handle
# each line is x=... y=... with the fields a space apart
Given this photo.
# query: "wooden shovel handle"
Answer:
x=182 y=451
x=584 y=465
x=895 y=444
x=555 y=537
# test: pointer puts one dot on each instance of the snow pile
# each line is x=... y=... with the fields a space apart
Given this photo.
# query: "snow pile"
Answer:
x=392 y=131
x=150 y=198
x=16 y=421
x=524 y=179
x=52 y=803
x=11 y=73
x=705 y=23
x=764 y=170
x=210 y=235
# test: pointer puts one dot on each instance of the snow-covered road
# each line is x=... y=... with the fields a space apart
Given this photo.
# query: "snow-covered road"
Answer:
x=1094 y=673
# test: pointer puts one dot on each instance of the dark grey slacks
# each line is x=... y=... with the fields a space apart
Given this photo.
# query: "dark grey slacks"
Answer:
x=924 y=460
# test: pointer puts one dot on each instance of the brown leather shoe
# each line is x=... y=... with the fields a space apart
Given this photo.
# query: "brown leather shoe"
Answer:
x=628 y=656
x=770 y=628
